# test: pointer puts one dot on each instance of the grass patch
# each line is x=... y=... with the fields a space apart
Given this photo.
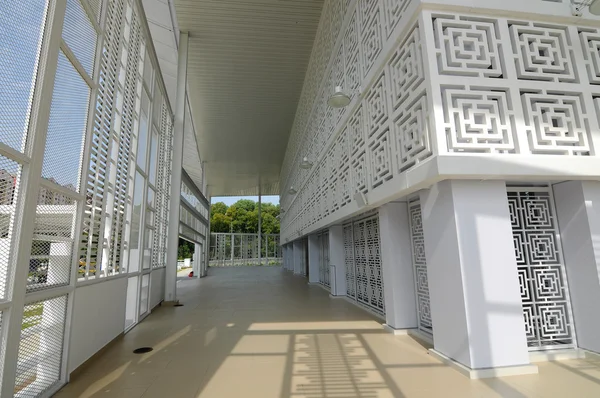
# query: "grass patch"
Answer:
x=32 y=316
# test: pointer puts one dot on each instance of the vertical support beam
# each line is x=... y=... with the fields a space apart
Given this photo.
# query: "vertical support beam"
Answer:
x=173 y=230
x=313 y=258
x=337 y=278
x=473 y=280
x=259 y=225
x=207 y=242
x=203 y=187
x=231 y=246
x=577 y=204
x=397 y=267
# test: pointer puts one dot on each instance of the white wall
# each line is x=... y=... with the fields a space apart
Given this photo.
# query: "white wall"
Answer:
x=98 y=317
x=157 y=286
x=476 y=305
x=577 y=205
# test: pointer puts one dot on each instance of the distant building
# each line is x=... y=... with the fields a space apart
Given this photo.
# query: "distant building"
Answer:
x=8 y=182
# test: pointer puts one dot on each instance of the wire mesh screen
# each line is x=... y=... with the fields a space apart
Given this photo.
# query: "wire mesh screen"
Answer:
x=80 y=35
x=51 y=251
x=41 y=346
x=21 y=27
x=10 y=176
x=66 y=129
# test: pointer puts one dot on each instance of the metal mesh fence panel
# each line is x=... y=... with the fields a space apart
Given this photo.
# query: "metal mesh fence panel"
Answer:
x=80 y=35
x=41 y=346
x=21 y=27
x=66 y=129
x=10 y=176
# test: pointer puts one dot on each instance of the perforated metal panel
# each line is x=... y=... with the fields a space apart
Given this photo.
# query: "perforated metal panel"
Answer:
x=363 y=263
x=542 y=278
x=324 y=272
x=420 y=267
x=349 y=261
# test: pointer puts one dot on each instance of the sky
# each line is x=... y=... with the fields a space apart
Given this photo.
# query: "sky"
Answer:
x=229 y=200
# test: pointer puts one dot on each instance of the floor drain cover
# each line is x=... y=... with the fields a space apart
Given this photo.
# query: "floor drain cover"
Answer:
x=142 y=350
x=178 y=305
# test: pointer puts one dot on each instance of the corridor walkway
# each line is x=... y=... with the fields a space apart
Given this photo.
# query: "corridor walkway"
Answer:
x=263 y=333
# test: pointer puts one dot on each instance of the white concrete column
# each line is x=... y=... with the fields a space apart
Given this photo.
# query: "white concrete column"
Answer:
x=337 y=273
x=578 y=212
x=473 y=282
x=298 y=253
x=173 y=227
x=397 y=267
x=313 y=258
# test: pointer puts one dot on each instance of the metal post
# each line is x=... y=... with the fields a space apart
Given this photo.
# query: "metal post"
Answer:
x=231 y=246
x=173 y=230
x=259 y=226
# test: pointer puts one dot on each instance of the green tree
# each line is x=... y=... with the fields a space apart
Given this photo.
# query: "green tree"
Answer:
x=242 y=217
x=246 y=204
x=220 y=223
x=218 y=208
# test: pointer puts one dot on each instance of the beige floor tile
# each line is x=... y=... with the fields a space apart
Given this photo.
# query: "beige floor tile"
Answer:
x=260 y=333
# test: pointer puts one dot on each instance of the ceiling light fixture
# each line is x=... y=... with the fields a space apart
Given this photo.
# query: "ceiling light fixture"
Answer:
x=339 y=99
x=292 y=191
x=305 y=163
x=577 y=7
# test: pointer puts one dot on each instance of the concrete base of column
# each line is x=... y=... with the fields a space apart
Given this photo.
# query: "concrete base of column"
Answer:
x=486 y=373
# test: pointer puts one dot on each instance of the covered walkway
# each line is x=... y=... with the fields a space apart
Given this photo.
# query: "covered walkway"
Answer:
x=261 y=332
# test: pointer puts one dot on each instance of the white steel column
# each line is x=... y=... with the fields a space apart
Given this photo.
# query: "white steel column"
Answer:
x=337 y=274
x=173 y=230
x=473 y=281
x=259 y=226
x=397 y=267
x=578 y=213
x=313 y=258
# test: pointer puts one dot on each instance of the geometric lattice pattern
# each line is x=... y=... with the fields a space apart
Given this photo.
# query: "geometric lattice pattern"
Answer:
x=362 y=251
x=447 y=83
x=468 y=47
x=324 y=277
x=556 y=123
x=420 y=267
x=543 y=52
x=542 y=278
x=349 y=261
x=478 y=120
x=386 y=130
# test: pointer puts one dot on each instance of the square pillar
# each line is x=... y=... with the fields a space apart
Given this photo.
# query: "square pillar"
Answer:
x=578 y=213
x=337 y=262
x=313 y=258
x=476 y=307
x=397 y=267
x=298 y=253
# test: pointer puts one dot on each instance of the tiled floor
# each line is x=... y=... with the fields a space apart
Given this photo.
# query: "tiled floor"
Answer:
x=261 y=332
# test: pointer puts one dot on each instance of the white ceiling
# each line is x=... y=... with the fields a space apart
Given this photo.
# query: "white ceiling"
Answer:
x=246 y=66
x=160 y=21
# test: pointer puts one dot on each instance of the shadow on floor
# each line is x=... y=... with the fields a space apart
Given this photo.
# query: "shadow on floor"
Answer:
x=261 y=332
